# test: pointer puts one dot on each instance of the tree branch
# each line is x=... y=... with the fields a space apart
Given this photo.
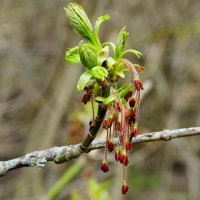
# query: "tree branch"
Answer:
x=67 y=153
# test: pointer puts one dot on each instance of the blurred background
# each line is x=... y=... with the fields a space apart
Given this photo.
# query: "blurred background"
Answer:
x=40 y=108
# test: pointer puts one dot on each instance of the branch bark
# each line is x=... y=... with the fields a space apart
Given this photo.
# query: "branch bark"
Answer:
x=67 y=153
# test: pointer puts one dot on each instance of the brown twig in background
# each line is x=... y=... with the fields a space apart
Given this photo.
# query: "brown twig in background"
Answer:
x=67 y=153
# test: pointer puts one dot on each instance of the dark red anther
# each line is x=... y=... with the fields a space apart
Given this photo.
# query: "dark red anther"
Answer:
x=132 y=102
x=86 y=98
x=107 y=123
x=128 y=95
x=138 y=84
x=124 y=188
x=104 y=166
x=118 y=126
x=130 y=115
x=118 y=107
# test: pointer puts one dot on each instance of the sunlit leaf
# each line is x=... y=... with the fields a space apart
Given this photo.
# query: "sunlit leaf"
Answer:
x=99 y=21
x=135 y=52
x=120 y=43
x=99 y=72
x=83 y=80
x=110 y=99
x=88 y=54
x=103 y=55
x=100 y=99
x=80 y=21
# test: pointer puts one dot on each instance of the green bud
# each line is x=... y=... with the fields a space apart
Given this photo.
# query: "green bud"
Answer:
x=79 y=20
x=120 y=43
x=88 y=54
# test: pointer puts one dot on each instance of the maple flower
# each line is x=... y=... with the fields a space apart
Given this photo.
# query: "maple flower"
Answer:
x=104 y=166
x=124 y=188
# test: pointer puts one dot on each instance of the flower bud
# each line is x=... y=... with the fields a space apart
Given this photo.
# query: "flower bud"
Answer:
x=110 y=145
x=118 y=126
x=124 y=188
x=104 y=166
x=79 y=21
x=88 y=55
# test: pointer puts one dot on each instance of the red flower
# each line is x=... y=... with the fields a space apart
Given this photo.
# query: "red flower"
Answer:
x=110 y=145
x=118 y=126
x=123 y=158
x=134 y=133
x=130 y=115
x=124 y=188
x=138 y=84
x=128 y=146
x=107 y=123
x=104 y=166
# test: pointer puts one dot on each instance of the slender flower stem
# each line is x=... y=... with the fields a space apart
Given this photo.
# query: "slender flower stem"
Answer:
x=92 y=99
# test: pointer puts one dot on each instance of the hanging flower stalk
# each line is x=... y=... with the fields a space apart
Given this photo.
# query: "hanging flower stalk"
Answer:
x=102 y=68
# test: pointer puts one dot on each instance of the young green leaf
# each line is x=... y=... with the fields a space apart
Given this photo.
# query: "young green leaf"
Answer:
x=110 y=99
x=102 y=55
x=100 y=99
x=109 y=44
x=88 y=54
x=83 y=80
x=99 y=21
x=135 y=52
x=120 y=43
x=72 y=56
x=99 y=72
x=124 y=91
x=79 y=21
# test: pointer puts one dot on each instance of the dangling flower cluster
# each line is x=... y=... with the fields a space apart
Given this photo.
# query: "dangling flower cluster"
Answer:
x=103 y=69
x=122 y=122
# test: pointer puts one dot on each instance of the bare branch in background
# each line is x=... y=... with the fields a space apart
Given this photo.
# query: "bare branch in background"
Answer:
x=67 y=153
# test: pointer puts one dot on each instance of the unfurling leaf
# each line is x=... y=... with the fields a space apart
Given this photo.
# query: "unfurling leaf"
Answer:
x=99 y=21
x=110 y=99
x=72 y=56
x=120 y=43
x=88 y=54
x=79 y=20
x=99 y=72
x=135 y=52
x=119 y=70
x=83 y=80
x=99 y=99
x=102 y=55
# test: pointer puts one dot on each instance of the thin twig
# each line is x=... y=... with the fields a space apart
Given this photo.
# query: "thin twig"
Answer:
x=67 y=153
